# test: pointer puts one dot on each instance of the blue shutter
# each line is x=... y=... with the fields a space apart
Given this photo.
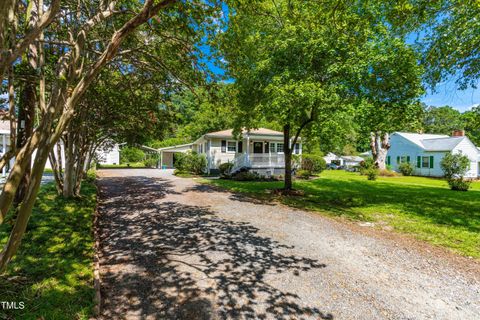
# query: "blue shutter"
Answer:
x=431 y=162
x=419 y=162
x=224 y=146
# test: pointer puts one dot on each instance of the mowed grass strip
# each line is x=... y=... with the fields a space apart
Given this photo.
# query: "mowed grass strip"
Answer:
x=420 y=206
x=52 y=272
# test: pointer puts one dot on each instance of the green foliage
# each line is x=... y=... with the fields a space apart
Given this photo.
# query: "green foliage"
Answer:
x=53 y=271
x=151 y=162
x=190 y=162
x=442 y=120
x=406 y=168
x=367 y=165
x=157 y=144
x=459 y=184
x=419 y=206
x=225 y=168
x=91 y=175
x=313 y=163
x=372 y=173
x=246 y=176
x=471 y=119
x=454 y=167
x=303 y=174
x=452 y=27
x=131 y=154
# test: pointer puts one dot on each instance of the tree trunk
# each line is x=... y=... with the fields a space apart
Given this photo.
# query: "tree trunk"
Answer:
x=287 y=151
x=69 y=172
x=379 y=144
x=25 y=208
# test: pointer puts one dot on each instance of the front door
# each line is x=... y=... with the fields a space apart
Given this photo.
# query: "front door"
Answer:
x=258 y=147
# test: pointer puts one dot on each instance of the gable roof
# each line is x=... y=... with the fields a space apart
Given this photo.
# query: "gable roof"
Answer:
x=252 y=132
x=432 y=142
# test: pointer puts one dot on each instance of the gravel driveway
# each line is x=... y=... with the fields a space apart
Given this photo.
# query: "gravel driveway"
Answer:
x=174 y=249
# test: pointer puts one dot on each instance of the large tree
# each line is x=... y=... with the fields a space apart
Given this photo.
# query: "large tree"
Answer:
x=442 y=120
x=296 y=63
x=86 y=37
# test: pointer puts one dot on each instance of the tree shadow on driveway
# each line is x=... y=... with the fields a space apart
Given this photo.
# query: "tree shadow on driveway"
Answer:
x=176 y=261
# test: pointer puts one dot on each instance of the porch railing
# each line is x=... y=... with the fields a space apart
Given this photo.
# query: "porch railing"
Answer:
x=258 y=160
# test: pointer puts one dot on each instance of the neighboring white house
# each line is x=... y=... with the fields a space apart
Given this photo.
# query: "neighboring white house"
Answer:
x=108 y=154
x=259 y=150
x=332 y=158
x=351 y=161
x=426 y=151
x=347 y=161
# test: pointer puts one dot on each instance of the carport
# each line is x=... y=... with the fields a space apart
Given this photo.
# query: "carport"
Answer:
x=167 y=159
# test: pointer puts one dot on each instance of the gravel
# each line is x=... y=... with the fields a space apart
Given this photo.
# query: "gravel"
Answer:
x=174 y=249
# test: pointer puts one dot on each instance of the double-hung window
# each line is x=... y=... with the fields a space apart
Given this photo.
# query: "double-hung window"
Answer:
x=425 y=162
x=231 y=146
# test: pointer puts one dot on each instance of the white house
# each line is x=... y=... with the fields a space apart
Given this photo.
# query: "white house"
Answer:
x=108 y=154
x=426 y=151
x=347 y=161
x=259 y=150
x=332 y=158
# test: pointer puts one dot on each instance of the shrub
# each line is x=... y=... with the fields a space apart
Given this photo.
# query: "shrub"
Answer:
x=372 y=173
x=150 y=162
x=131 y=154
x=313 y=163
x=387 y=173
x=366 y=165
x=225 y=168
x=191 y=162
x=406 y=168
x=454 y=167
x=459 y=184
x=246 y=176
x=91 y=175
x=303 y=174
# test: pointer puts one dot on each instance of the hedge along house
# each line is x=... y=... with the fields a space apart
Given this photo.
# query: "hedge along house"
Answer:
x=426 y=151
x=258 y=150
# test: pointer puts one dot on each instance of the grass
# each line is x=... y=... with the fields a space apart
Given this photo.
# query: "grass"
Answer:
x=52 y=272
x=420 y=206
x=122 y=165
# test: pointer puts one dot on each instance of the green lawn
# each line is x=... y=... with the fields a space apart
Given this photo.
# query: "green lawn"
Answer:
x=53 y=270
x=122 y=165
x=423 y=207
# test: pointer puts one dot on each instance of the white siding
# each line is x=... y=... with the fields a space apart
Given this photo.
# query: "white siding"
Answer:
x=216 y=155
x=468 y=149
x=401 y=147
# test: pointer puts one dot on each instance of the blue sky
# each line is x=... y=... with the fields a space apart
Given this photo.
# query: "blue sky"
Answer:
x=447 y=94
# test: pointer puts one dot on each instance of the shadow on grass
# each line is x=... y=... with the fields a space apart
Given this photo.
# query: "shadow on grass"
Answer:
x=438 y=205
x=176 y=261
x=52 y=272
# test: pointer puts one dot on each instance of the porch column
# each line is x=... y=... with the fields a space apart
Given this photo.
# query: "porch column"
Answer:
x=208 y=155
x=4 y=143
x=248 y=148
